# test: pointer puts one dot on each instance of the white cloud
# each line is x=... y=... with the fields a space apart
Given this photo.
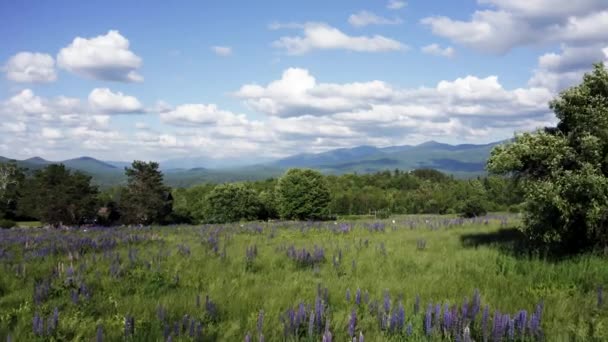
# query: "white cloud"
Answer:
x=30 y=67
x=51 y=133
x=365 y=18
x=201 y=114
x=25 y=103
x=103 y=100
x=510 y=24
x=223 y=51
x=557 y=71
x=395 y=4
x=436 y=50
x=105 y=57
x=319 y=36
x=13 y=127
x=297 y=94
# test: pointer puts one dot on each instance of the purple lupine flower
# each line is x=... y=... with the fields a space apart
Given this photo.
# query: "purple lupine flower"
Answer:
x=192 y=328
x=261 y=338
x=358 y=297
x=417 y=305
x=38 y=324
x=409 y=329
x=361 y=338
x=428 y=320
x=600 y=296
x=534 y=324
x=311 y=324
x=447 y=318
x=247 y=338
x=348 y=295
x=129 y=326
x=260 y=324
x=511 y=329
x=520 y=322
x=352 y=324
x=54 y=321
x=166 y=331
x=387 y=302
x=327 y=337
x=466 y=335
x=99 y=337
x=437 y=315
x=465 y=308
x=484 y=322
x=497 y=329
x=211 y=308
x=476 y=305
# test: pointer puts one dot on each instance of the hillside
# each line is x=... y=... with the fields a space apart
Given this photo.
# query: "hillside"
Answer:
x=465 y=160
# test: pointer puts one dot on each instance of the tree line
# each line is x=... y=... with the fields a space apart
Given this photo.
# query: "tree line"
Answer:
x=57 y=196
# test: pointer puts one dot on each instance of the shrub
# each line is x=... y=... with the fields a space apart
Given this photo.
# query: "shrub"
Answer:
x=4 y=223
x=473 y=207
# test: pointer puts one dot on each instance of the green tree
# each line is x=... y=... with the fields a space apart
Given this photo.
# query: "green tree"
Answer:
x=11 y=182
x=303 y=194
x=564 y=169
x=145 y=199
x=57 y=196
x=232 y=203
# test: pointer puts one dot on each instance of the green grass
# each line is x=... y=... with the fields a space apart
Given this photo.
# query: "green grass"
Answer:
x=455 y=262
x=29 y=224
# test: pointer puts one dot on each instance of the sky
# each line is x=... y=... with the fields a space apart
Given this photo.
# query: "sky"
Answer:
x=252 y=80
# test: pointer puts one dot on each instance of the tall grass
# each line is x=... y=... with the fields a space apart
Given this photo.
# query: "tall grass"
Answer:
x=176 y=268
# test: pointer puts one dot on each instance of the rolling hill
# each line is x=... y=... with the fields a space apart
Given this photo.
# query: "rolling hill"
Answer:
x=466 y=160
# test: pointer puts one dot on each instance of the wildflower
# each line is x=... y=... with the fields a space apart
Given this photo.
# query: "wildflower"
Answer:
x=99 y=334
x=352 y=324
x=428 y=320
x=348 y=295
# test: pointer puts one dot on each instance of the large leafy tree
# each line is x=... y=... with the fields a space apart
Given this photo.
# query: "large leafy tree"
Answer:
x=11 y=183
x=565 y=169
x=145 y=199
x=232 y=203
x=303 y=195
x=57 y=196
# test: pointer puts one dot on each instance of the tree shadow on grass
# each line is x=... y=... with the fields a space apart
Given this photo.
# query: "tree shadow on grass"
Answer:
x=510 y=241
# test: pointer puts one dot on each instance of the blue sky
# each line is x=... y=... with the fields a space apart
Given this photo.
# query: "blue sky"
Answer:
x=244 y=80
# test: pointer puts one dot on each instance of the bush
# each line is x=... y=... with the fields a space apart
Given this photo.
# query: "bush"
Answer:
x=473 y=207
x=4 y=223
x=232 y=203
x=303 y=195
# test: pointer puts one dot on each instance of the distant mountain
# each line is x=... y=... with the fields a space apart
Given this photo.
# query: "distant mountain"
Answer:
x=90 y=165
x=465 y=160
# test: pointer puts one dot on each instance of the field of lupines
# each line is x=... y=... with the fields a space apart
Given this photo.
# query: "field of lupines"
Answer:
x=422 y=278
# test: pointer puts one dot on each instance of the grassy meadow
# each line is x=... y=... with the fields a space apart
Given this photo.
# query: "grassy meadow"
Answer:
x=380 y=279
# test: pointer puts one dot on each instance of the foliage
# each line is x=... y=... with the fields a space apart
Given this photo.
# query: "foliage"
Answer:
x=232 y=203
x=145 y=199
x=168 y=281
x=473 y=207
x=303 y=194
x=564 y=169
x=58 y=196
x=6 y=223
x=11 y=183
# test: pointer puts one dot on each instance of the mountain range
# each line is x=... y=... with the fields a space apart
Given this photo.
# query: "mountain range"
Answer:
x=465 y=160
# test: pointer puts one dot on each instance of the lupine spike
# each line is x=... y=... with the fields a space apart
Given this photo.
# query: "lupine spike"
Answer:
x=99 y=337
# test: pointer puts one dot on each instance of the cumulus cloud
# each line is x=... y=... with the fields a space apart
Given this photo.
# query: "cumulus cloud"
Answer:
x=223 y=51
x=437 y=50
x=31 y=67
x=105 y=57
x=329 y=114
x=103 y=100
x=51 y=133
x=201 y=114
x=320 y=36
x=508 y=24
x=557 y=71
x=395 y=4
x=365 y=18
